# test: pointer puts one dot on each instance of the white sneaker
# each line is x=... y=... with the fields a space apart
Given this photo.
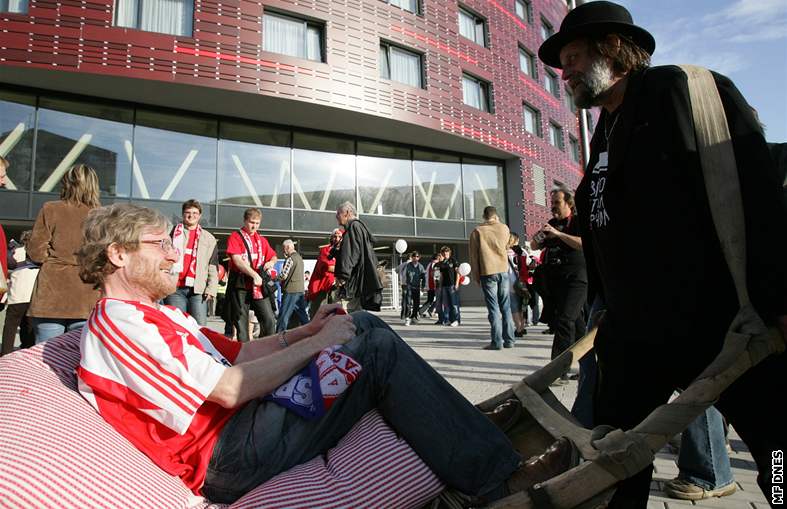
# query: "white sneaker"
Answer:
x=407 y=322
x=455 y=323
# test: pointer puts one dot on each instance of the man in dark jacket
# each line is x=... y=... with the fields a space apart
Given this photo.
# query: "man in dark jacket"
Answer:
x=356 y=263
x=643 y=182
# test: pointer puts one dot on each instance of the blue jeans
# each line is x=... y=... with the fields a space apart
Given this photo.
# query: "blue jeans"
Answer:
x=588 y=376
x=498 y=307
x=450 y=307
x=48 y=328
x=534 y=305
x=189 y=302
x=703 y=458
x=292 y=302
x=461 y=445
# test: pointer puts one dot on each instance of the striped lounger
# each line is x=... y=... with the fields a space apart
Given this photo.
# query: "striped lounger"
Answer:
x=57 y=452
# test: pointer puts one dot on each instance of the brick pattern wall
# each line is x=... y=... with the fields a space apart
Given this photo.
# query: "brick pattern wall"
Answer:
x=226 y=52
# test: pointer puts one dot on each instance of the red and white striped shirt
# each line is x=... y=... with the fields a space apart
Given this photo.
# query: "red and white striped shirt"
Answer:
x=148 y=372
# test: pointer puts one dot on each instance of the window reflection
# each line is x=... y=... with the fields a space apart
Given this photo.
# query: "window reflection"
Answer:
x=437 y=190
x=170 y=165
x=385 y=186
x=322 y=180
x=253 y=175
x=71 y=132
x=17 y=122
x=483 y=186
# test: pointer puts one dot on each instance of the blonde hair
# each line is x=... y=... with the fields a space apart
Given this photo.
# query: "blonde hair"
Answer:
x=121 y=224
x=80 y=186
x=4 y=163
x=513 y=239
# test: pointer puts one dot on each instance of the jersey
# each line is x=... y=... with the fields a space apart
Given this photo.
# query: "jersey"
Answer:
x=148 y=372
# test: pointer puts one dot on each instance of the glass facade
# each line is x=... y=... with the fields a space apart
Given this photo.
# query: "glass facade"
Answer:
x=162 y=158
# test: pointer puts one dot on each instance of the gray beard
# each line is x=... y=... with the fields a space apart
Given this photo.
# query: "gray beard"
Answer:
x=594 y=85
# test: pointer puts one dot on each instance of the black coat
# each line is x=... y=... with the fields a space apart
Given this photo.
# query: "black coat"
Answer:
x=356 y=263
x=659 y=265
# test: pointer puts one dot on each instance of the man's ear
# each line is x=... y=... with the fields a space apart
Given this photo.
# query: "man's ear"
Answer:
x=117 y=255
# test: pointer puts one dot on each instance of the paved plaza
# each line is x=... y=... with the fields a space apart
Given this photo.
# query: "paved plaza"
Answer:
x=478 y=374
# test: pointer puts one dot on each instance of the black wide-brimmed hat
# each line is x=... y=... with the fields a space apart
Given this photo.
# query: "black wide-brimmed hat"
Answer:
x=594 y=18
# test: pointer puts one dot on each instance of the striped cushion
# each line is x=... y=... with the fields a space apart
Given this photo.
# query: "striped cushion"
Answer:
x=56 y=451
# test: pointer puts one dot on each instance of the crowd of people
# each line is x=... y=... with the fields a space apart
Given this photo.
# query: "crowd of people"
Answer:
x=114 y=267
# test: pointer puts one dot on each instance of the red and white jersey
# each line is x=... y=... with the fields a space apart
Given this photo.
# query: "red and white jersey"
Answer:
x=148 y=372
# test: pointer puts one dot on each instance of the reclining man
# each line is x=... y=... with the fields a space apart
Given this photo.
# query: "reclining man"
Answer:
x=192 y=400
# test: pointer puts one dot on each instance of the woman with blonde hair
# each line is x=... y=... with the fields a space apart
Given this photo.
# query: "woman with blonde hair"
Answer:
x=61 y=301
x=517 y=271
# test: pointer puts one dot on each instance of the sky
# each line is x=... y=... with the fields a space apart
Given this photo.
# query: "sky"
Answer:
x=746 y=40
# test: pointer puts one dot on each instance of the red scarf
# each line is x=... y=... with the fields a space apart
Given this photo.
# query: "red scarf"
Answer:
x=180 y=240
x=255 y=245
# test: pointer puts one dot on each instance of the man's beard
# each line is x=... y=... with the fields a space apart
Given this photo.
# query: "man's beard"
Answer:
x=594 y=84
x=151 y=281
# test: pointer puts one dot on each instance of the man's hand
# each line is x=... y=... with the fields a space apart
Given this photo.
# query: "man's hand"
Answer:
x=206 y=297
x=257 y=279
x=550 y=232
x=338 y=330
x=322 y=316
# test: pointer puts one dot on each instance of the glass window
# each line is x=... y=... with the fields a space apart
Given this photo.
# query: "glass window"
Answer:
x=398 y=64
x=322 y=180
x=524 y=10
x=407 y=5
x=546 y=29
x=17 y=6
x=17 y=123
x=72 y=132
x=253 y=174
x=527 y=63
x=385 y=186
x=483 y=186
x=574 y=148
x=568 y=97
x=174 y=157
x=438 y=188
x=555 y=135
x=475 y=93
x=292 y=36
x=472 y=27
x=539 y=186
x=551 y=83
x=165 y=16
x=323 y=143
x=532 y=119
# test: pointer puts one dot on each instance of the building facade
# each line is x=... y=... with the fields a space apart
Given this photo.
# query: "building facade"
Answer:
x=421 y=112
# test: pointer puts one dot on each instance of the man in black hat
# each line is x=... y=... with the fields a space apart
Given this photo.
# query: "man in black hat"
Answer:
x=644 y=181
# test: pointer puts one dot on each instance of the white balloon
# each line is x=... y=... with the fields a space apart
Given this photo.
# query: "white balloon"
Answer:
x=464 y=269
x=401 y=246
x=465 y=281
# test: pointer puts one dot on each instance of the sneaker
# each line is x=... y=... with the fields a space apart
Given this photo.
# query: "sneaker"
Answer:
x=686 y=490
x=491 y=347
x=438 y=322
x=455 y=323
x=407 y=322
x=508 y=345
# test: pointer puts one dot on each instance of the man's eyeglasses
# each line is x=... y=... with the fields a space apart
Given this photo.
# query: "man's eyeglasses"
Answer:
x=164 y=244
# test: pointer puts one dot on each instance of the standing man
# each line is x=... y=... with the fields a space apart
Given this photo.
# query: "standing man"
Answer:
x=356 y=264
x=489 y=268
x=250 y=253
x=414 y=275
x=644 y=182
x=429 y=305
x=3 y=242
x=565 y=271
x=196 y=266
x=321 y=282
x=449 y=283
x=292 y=287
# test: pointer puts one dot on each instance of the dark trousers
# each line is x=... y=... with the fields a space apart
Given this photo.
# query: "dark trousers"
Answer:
x=634 y=380
x=569 y=293
x=240 y=301
x=429 y=304
x=454 y=439
x=415 y=303
x=16 y=318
